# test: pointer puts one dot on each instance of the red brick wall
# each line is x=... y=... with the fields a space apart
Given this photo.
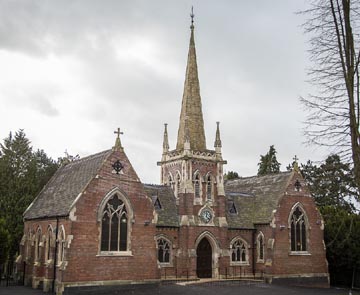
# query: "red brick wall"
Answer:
x=84 y=262
x=284 y=262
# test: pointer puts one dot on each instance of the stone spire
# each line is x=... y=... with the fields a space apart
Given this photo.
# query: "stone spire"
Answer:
x=191 y=103
x=166 y=140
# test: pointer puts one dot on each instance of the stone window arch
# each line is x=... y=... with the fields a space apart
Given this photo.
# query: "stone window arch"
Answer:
x=164 y=250
x=260 y=247
x=115 y=216
x=298 y=224
x=197 y=184
x=239 y=253
x=209 y=187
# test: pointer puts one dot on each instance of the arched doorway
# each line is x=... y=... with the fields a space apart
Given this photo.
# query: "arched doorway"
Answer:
x=204 y=259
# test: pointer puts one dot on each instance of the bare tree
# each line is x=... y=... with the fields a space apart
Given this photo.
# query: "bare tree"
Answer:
x=333 y=120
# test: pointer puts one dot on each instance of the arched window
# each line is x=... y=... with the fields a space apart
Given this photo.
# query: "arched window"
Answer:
x=239 y=251
x=61 y=246
x=178 y=181
x=197 y=185
x=298 y=230
x=260 y=247
x=114 y=225
x=38 y=244
x=170 y=181
x=208 y=187
x=48 y=244
x=163 y=250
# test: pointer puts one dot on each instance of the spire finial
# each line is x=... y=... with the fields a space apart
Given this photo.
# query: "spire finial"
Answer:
x=192 y=17
x=166 y=140
x=217 y=136
x=118 y=145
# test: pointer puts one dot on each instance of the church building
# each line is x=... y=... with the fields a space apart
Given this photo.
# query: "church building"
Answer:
x=96 y=224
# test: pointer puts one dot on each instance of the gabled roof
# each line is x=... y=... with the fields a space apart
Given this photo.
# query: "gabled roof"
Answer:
x=67 y=183
x=255 y=198
x=168 y=214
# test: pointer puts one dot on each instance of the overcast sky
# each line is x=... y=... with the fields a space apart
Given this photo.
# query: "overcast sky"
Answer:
x=71 y=72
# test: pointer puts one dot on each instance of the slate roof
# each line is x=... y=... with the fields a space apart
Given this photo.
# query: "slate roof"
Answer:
x=168 y=214
x=255 y=198
x=67 y=183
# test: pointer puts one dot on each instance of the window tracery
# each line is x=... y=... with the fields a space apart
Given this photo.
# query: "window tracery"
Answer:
x=298 y=230
x=163 y=250
x=239 y=252
x=114 y=225
x=170 y=181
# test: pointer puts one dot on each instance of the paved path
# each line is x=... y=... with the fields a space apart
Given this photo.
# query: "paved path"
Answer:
x=198 y=289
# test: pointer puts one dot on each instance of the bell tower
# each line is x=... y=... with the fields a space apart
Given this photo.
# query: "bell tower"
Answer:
x=194 y=172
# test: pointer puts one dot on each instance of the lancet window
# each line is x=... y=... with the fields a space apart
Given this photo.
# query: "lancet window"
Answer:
x=48 y=244
x=178 y=181
x=260 y=247
x=61 y=246
x=197 y=185
x=208 y=187
x=38 y=244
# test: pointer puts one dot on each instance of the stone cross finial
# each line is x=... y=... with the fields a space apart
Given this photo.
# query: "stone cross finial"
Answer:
x=118 y=145
x=295 y=164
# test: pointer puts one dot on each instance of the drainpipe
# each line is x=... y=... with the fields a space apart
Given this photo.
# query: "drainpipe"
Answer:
x=253 y=251
x=55 y=254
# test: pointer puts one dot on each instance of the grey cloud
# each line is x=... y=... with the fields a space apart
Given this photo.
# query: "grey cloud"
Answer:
x=43 y=105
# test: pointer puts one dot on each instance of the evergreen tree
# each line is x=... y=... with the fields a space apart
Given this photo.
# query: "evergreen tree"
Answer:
x=334 y=189
x=342 y=235
x=4 y=242
x=23 y=173
x=268 y=164
x=231 y=175
x=332 y=183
